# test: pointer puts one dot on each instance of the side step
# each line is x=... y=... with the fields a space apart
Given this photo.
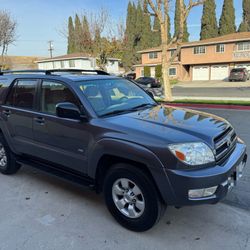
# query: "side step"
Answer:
x=61 y=173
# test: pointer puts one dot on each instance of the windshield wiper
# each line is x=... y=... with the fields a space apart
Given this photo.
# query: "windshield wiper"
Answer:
x=116 y=112
x=144 y=105
x=122 y=111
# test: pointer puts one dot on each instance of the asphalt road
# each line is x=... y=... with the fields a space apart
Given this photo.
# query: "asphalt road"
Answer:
x=212 y=92
x=240 y=195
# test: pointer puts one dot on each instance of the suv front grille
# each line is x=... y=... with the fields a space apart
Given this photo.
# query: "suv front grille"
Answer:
x=225 y=143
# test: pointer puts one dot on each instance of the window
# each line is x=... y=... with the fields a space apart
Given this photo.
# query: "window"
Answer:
x=54 y=93
x=71 y=63
x=62 y=64
x=199 y=50
x=153 y=55
x=172 y=72
x=220 y=48
x=243 y=46
x=172 y=52
x=22 y=94
x=114 y=96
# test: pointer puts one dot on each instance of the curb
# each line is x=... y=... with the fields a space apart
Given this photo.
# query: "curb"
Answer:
x=210 y=106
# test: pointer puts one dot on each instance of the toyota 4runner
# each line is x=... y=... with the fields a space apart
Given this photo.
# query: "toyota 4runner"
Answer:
x=108 y=133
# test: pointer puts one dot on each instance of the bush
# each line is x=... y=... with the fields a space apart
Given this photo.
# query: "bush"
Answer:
x=158 y=71
x=147 y=72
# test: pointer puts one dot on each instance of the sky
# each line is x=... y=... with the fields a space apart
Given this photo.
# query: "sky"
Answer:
x=42 y=20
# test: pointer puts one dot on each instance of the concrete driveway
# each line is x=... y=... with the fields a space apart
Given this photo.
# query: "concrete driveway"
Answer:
x=41 y=212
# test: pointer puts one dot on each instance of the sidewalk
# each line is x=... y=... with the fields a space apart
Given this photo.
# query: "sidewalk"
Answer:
x=212 y=84
x=211 y=98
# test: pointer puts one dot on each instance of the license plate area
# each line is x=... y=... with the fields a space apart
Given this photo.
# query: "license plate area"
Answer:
x=236 y=175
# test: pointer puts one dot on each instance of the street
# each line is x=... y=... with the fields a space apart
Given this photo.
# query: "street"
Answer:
x=240 y=195
x=240 y=92
x=39 y=211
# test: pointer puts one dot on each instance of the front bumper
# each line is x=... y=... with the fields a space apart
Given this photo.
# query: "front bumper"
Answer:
x=182 y=181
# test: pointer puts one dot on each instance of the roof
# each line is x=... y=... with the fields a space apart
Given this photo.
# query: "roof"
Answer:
x=235 y=37
x=71 y=56
x=72 y=77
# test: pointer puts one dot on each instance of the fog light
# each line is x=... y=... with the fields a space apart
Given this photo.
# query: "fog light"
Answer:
x=201 y=193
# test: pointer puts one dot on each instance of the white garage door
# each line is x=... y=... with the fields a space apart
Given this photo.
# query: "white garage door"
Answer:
x=219 y=72
x=201 y=73
x=247 y=66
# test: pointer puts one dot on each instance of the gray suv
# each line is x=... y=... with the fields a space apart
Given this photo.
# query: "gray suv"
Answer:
x=109 y=134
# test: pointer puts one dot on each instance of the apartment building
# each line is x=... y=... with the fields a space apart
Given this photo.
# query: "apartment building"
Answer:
x=210 y=59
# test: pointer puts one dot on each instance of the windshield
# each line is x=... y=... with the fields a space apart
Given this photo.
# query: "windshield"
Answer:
x=114 y=96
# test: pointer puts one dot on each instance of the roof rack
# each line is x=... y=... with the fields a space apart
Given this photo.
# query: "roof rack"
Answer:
x=51 y=71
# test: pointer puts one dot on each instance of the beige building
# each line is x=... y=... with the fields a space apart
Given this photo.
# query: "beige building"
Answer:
x=210 y=59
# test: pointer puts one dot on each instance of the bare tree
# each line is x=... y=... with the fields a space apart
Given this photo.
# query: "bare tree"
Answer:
x=7 y=32
x=160 y=10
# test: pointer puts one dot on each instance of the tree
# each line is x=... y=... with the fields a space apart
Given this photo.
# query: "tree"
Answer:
x=7 y=32
x=130 y=35
x=146 y=36
x=245 y=24
x=209 y=27
x=78 y=34
x=160 y=10
x=71 y=36
x=86 y=41
x=227 y=20
x=156 y=37
x=177 y=22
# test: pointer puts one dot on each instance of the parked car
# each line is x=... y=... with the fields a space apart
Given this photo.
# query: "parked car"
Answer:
x=239 y=74
x=130 y=76
x=108 y=133
x=149 y=82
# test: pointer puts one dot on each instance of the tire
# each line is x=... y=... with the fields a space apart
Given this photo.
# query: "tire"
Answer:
x=8 y=164
x=150 y=208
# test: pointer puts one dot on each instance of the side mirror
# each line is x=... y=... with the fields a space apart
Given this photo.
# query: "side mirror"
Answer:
x=68 y=110
x=150 y=94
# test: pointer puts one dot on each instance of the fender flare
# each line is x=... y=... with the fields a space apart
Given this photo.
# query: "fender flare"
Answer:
x=136 y=153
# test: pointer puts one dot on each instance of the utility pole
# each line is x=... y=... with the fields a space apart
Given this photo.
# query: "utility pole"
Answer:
x=51 y=48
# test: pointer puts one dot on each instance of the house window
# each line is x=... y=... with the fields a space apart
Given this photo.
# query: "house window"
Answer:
x=62 y=64
x=199 y=50
x=71 y=63
x=172 y=72
x=220 y=48
x=153 y=55
x=172 y=52
x=243 y=46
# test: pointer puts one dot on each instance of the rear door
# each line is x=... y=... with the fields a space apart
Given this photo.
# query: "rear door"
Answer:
x=18 y=113
x=58 y=140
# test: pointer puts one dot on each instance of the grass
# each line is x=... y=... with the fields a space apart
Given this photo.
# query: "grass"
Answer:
x=216 y=102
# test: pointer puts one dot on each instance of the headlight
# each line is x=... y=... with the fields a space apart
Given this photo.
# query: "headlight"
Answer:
x=197 y=153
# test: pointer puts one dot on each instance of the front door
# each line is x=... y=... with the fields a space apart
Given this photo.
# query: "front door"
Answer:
x=18 y=112
x=58 y=140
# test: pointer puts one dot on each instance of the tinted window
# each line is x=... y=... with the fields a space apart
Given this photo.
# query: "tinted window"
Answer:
x=4 y=84
x=22 y=94
x=54 y=93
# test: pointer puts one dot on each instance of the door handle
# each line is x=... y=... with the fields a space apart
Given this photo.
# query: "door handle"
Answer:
x=7 y=112
x=39 y=120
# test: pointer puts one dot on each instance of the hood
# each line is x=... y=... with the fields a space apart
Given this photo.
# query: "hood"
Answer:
x=168 y=125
